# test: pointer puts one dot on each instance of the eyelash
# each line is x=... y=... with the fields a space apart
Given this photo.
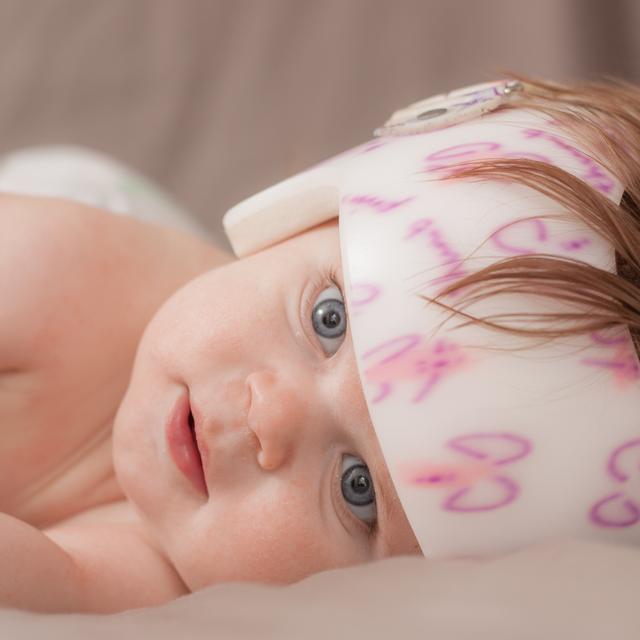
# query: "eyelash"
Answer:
x=370 y=530
x=327 y=277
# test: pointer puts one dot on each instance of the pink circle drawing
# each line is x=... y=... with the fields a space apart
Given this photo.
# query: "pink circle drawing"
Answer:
x=478 y=484
x=621 y=508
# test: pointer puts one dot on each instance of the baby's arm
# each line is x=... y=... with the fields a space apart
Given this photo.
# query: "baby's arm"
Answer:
x=35 y=573
x=97 y=567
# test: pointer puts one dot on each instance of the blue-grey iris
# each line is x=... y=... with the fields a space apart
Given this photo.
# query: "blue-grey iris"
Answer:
x=357 y=485
x=329 y=318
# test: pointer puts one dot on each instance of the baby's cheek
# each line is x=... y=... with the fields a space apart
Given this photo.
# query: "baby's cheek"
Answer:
x=283 y=554
x=276 y=543
x=278 y=548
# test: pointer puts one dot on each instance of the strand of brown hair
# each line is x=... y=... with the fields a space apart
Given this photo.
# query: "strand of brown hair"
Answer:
x=605 y=117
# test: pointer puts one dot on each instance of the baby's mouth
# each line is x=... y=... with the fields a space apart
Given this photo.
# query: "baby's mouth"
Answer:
x=192 y=424
x=182 y=438
x=192 y=430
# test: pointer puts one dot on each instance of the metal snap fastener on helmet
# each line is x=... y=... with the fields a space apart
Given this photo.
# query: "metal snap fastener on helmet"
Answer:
x=445 y=110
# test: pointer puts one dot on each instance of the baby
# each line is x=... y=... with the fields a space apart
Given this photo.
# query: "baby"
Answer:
x=173 y=417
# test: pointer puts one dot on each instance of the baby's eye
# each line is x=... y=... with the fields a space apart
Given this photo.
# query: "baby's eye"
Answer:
x=357 y=489
x=329 y=319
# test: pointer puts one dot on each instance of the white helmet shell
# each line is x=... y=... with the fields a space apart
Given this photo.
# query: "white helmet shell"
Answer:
x=491 y=447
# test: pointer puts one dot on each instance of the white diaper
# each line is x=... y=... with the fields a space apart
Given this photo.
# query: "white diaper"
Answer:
x=89 y=177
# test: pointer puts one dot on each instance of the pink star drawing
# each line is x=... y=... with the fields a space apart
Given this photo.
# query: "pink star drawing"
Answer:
x=411 y=358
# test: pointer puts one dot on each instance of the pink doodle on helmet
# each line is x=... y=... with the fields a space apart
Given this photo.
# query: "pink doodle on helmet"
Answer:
x=594 y=174
x=478 y=482
x=575 y=244
x=451 y=157
x=411 y=359
x=528 y=155
x=363 y=294
x=598 y=337
x=373 y=202
x=621 y=507
x=619 y=359
x=367 y=147
x=454 y=159
x=372 y=145
x=537 y=239
x=426 y=228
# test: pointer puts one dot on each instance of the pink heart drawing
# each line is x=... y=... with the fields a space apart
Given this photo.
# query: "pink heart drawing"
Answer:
x=621 y=508
x=478 y=484
x=537 y=233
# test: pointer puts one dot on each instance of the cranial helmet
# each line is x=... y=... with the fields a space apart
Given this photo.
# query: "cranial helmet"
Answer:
x=490 y=448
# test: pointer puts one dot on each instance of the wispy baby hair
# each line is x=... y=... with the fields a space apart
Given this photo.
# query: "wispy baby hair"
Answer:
x=605 y=117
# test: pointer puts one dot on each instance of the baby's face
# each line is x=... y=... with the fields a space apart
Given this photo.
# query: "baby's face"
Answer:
x=292 y=479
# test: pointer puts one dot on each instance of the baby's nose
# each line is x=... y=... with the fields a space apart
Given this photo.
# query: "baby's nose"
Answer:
x=276 y=416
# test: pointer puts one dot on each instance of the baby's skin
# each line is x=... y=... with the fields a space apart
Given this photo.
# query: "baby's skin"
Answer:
x=172 y=418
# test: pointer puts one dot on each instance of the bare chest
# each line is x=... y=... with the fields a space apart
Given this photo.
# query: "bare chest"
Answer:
x=55 y=445
x=78 y=288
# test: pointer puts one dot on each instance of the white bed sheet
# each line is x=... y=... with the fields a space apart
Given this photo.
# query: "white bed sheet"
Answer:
x=563 y=590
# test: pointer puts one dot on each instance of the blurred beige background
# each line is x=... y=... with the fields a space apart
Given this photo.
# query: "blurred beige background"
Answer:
x=216 y=99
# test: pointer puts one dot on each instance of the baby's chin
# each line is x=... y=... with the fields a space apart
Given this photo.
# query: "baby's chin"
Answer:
x=141 y=471
x=132 y=459
x=124 y=452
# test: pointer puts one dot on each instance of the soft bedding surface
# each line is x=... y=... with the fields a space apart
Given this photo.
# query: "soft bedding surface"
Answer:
x=563 y=590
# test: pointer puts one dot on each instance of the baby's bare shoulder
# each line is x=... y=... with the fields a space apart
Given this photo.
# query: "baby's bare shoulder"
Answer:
x=51 y=253
x=78 y=286
x=65 y=267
